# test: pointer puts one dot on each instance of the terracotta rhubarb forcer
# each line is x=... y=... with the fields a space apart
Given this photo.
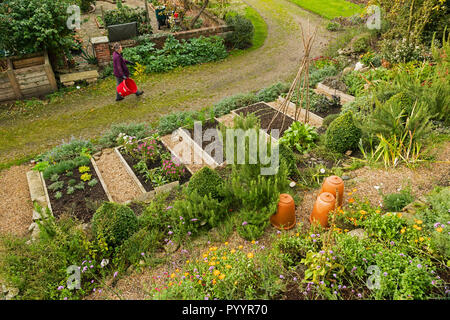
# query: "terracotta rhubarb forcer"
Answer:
x=285 y=216
x=324 y=204
x=331 y=184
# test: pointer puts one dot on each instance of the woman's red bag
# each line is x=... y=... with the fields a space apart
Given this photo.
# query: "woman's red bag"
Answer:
x=127 y=87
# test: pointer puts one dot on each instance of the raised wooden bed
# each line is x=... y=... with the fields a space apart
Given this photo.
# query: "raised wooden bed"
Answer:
x=265 y=112
x=40 y=195
x=189 y=138
x=330 y=92
x=148 y=191
x=27 y=77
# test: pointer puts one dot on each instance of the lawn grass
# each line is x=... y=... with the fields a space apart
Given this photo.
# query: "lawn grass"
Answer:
x=329 y=9
x=260 y=27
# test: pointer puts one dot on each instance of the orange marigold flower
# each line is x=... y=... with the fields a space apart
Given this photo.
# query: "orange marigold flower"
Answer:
x=250 y=255
x=351 y=200
x=222 y=276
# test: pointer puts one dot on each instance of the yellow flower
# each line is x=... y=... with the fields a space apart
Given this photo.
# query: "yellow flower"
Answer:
x=224 y=258
x=186 y=274
x=354 y=190
x=351 y=200
x=418 y=221
x=240 y=247
x=349 y=193
x=253 y=241
x=439 y=229
x=199 y=281
x=213 y=258
x=212 y=263
x=377 y=211
x=173 y=275
x=233 y=251
x=177 y=270
x=222 y=276
x=421 y=239
x=402 y=231
x=235 y=283
x=419 y=228
x=297 y=234
x=205 y=255
x=170 y=283
x=345 y=230
x=399 y=214
x=214 y=281
x=362 y=212
x=249 y=255
x=216 y=272
x=228 y=266
x=187 y=261
x=226 y=243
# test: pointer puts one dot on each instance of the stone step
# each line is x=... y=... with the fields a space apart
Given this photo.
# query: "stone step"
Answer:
x=37 y=191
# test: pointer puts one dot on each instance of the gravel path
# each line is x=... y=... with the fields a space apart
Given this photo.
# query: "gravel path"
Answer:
x=120 y=185
x=15 y=202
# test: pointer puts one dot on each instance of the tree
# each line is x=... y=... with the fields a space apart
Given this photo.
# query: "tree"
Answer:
x=34 y=25
x=205 y=4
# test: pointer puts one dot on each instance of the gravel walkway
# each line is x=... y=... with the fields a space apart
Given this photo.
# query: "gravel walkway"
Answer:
x=15 y=202
x=120 y=185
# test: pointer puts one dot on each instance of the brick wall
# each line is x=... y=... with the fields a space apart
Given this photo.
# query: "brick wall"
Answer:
x=160 y=39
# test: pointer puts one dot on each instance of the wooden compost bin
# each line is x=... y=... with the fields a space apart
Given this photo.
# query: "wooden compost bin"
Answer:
x=26 y=77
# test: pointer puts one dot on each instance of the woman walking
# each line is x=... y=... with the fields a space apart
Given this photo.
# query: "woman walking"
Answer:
x=120 y=68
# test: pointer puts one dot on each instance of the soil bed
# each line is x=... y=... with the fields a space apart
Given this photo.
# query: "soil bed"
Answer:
x=206 y=126
x=82 y=204
x=149 y=186
x=265 y=113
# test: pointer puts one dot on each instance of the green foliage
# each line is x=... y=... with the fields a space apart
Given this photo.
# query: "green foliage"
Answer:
x=55 y=186
x=177 y=54
x=361 y=43
x=396 y=51
x=242 y=35
x=234 y=102
x=70 y=190
x=333 y=26
x=173 y=121
x=79 y=186
x=343 y=134
x=54 y=177
x=272 y=93
x=41 y=166
x=58 y=195
x=317 y=75
x=329 y=119
x=34 y=26
x=65 y=166
x=126 y=14
x=397 y=201
x=93 y=182
x=301 y=136
x=37 y=269
x=287 y=155
x=138 y=130
x=115 y=222
x=196 y=212
x=206 y=182
x=247 y=277
x=67 y=151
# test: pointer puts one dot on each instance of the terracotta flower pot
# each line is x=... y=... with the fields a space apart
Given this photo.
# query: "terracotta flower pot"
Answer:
x=285 y=216
x=324 y=204
x=331 y=184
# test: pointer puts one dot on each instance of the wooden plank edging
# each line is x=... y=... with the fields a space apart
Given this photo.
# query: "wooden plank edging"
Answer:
x=49 y=205
x=130 y=171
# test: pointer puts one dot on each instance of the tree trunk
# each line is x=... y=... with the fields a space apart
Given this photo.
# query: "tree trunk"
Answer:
x=198 y=14
x=147 y=15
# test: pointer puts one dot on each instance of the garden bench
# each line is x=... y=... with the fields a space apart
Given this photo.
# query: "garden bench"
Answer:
x=70 y=78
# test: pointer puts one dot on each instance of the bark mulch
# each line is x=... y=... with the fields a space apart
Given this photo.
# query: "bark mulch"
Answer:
x=15 y=202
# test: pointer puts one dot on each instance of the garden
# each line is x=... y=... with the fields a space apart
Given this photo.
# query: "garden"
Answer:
x=370 y=113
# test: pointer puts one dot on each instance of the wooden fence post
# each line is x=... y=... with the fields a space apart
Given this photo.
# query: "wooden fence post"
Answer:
x=49 y=72
x=12 y=79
